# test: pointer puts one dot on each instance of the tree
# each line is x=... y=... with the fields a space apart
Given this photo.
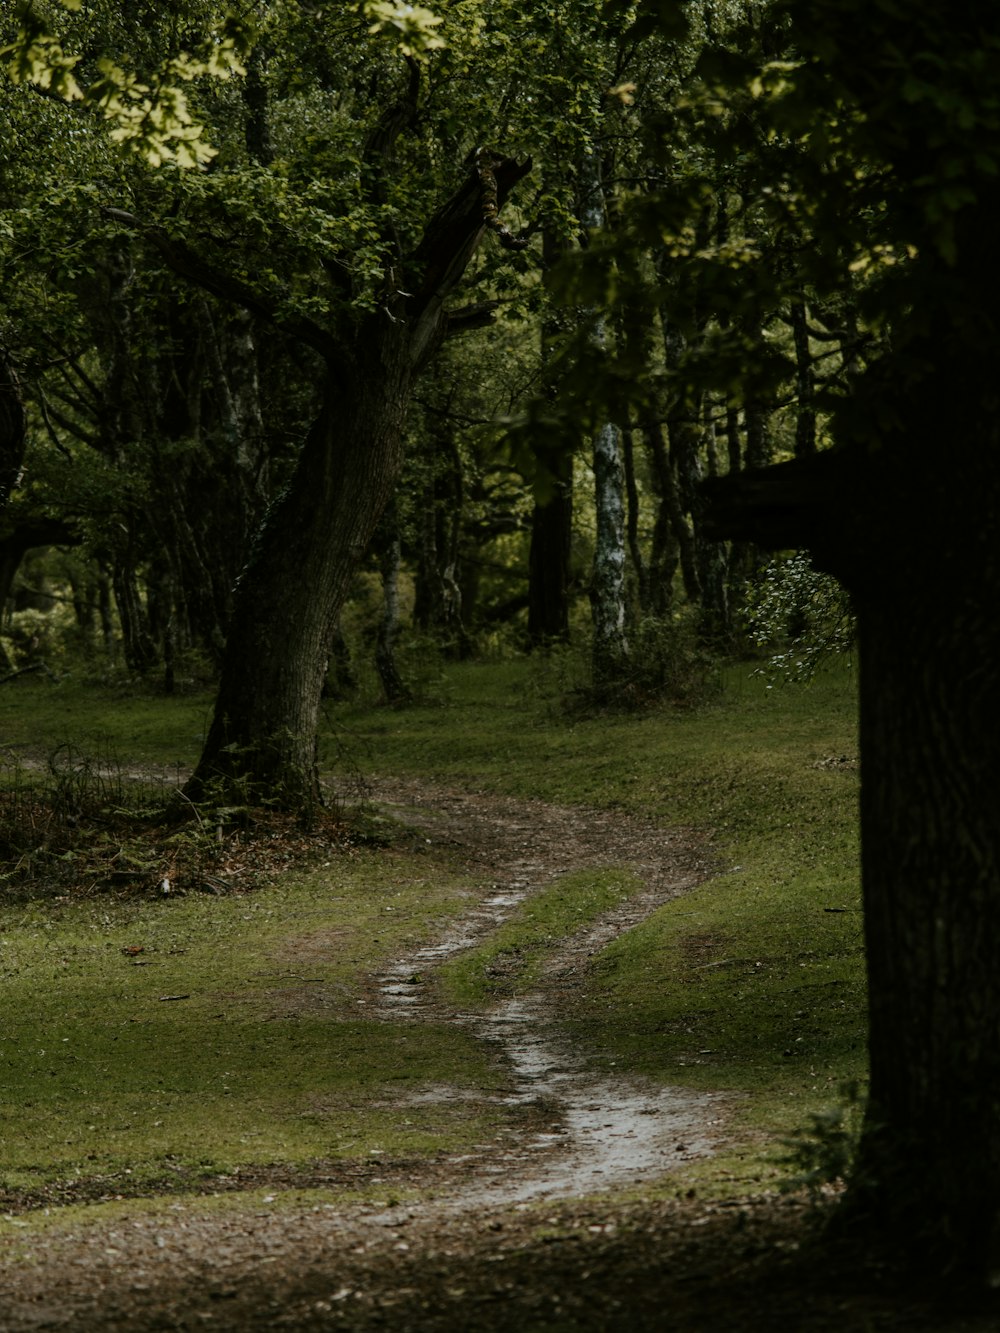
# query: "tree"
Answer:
x=899 y=113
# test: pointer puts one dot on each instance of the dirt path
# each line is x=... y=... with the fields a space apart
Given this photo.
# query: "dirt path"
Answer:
x=604 y=1132
x=507 y=1242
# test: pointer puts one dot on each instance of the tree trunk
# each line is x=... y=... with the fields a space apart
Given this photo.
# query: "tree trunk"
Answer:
x=929 y=1168
x=929 y=634
x=805 y=382
x=393 y=685
x=610 y=650
x=913 y=532
x=262 y=742
x=610 y=654
x=549 y=555
x=13 y=429
x=140 y=651
x=550 y=551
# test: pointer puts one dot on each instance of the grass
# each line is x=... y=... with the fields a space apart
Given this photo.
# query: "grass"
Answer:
x=751 y=985
x=509 y=961
x=269 y=1058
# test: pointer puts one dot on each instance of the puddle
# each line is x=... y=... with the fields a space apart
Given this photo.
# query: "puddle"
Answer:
x=610 y=1131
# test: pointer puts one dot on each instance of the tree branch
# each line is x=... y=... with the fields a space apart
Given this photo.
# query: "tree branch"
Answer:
x=449 y=241
x=468 y=317
x=188 y=264
x=801 y=505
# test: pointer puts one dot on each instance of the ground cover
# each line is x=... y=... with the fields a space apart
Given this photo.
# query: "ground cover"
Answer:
x=754 y=981
x=660 y=901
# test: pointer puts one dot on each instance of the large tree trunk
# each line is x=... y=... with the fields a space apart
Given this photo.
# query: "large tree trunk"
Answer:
x=909 y=521
x=262 y=742
x=929 y=1170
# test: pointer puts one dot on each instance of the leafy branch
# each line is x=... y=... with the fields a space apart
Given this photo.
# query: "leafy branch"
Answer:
x=150 y=116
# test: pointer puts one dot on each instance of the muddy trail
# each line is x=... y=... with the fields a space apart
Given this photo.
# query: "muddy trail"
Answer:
x=603 y=1132
x=534 y=1236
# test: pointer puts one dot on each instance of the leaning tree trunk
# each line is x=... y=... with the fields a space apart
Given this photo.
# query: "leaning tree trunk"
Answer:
x=262 y=741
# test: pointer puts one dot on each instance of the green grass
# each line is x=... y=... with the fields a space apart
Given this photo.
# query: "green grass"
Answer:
x=509 y=961
x=134 y=724
x=271 y=1058
x=747 y=986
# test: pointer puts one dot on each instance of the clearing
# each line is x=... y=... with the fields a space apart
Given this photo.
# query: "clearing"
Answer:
x=570 y=1226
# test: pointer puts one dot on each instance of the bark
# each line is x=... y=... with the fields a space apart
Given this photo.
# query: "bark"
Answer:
x=13 y=429
x=805 y=382
x=677 y=472
x=137 y=642
x=439 y=601
x=671 y=530
x=632 y=519
x=393 y=685
x=610 y=650
x=550 y=551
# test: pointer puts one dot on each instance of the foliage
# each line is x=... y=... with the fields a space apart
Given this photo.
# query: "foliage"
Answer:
x=149 y=114
x=823 y=1153
x=799 y=616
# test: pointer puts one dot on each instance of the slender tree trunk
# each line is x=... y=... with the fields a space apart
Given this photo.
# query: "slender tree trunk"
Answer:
x=608 y=588
x=13 y=429
x=549 y=555
x=390 y=559
x=805 y=382
x=550 y=552
x=610 y=650
x=632 y=519
x=139 y=648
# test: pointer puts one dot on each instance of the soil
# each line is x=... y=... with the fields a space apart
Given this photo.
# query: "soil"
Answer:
x=551 y=1233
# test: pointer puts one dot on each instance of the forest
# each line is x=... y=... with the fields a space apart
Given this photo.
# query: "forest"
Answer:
x=534 y=455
